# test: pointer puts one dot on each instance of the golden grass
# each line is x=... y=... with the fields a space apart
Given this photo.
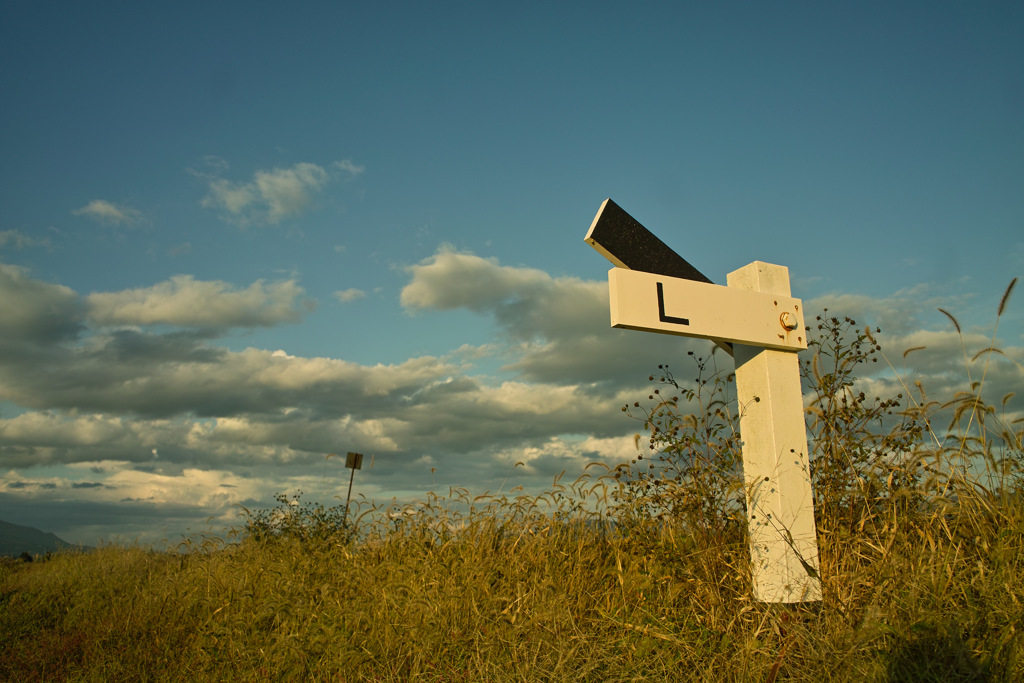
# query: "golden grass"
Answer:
x=536 y=599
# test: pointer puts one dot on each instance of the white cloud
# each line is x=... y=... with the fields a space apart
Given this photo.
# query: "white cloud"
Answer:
x=109 y=214
x=347 y=166
x=39 y=428
x=347 y=295
x=451 y=279
x=287 y=439
x=271 y=196
x=527 y=303
x=187 y=302
x=229 y=197
x=19 y=240
x=286 y=191
x=45 y=437
x=129 y=371
x=201 y=486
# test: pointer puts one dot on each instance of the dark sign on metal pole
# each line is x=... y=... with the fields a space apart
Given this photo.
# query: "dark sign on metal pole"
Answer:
x=353 y=461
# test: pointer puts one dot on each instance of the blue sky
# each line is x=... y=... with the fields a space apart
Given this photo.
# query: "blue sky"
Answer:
x=235 y=237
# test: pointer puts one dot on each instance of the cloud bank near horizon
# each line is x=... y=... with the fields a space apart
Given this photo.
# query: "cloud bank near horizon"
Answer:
x=127 y=400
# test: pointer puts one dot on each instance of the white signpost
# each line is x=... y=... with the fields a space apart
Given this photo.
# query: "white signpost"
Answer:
x=754 y=319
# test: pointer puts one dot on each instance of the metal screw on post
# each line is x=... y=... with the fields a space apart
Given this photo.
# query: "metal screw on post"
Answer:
x=353 y=461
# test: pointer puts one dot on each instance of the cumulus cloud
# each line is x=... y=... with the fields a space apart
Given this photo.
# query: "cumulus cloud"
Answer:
x=451 y=279
x=46 y=437
x=280 y=404
x=108 y=213
x=461 y=418
x=271 y=196
x=559 y=326
x=33 y=310
x=187 y=302
x=161 y=375
x=293 y=414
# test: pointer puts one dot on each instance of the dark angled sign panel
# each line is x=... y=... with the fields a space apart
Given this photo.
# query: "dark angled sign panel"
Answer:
x=621 y=239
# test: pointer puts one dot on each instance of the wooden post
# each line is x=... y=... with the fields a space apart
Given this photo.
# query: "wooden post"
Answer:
x=780 y=506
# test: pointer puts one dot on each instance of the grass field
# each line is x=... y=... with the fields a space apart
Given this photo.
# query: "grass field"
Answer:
x=638 y=573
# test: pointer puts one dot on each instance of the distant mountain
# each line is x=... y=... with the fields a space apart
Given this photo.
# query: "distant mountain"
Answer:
x=15 y=540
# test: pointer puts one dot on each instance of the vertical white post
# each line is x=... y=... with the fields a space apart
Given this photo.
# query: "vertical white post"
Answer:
x=780 y=508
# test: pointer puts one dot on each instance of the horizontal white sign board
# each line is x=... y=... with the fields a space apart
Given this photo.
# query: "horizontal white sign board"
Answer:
x=656 y=303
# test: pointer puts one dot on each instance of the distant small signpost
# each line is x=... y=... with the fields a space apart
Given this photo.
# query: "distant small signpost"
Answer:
x=755 y=320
